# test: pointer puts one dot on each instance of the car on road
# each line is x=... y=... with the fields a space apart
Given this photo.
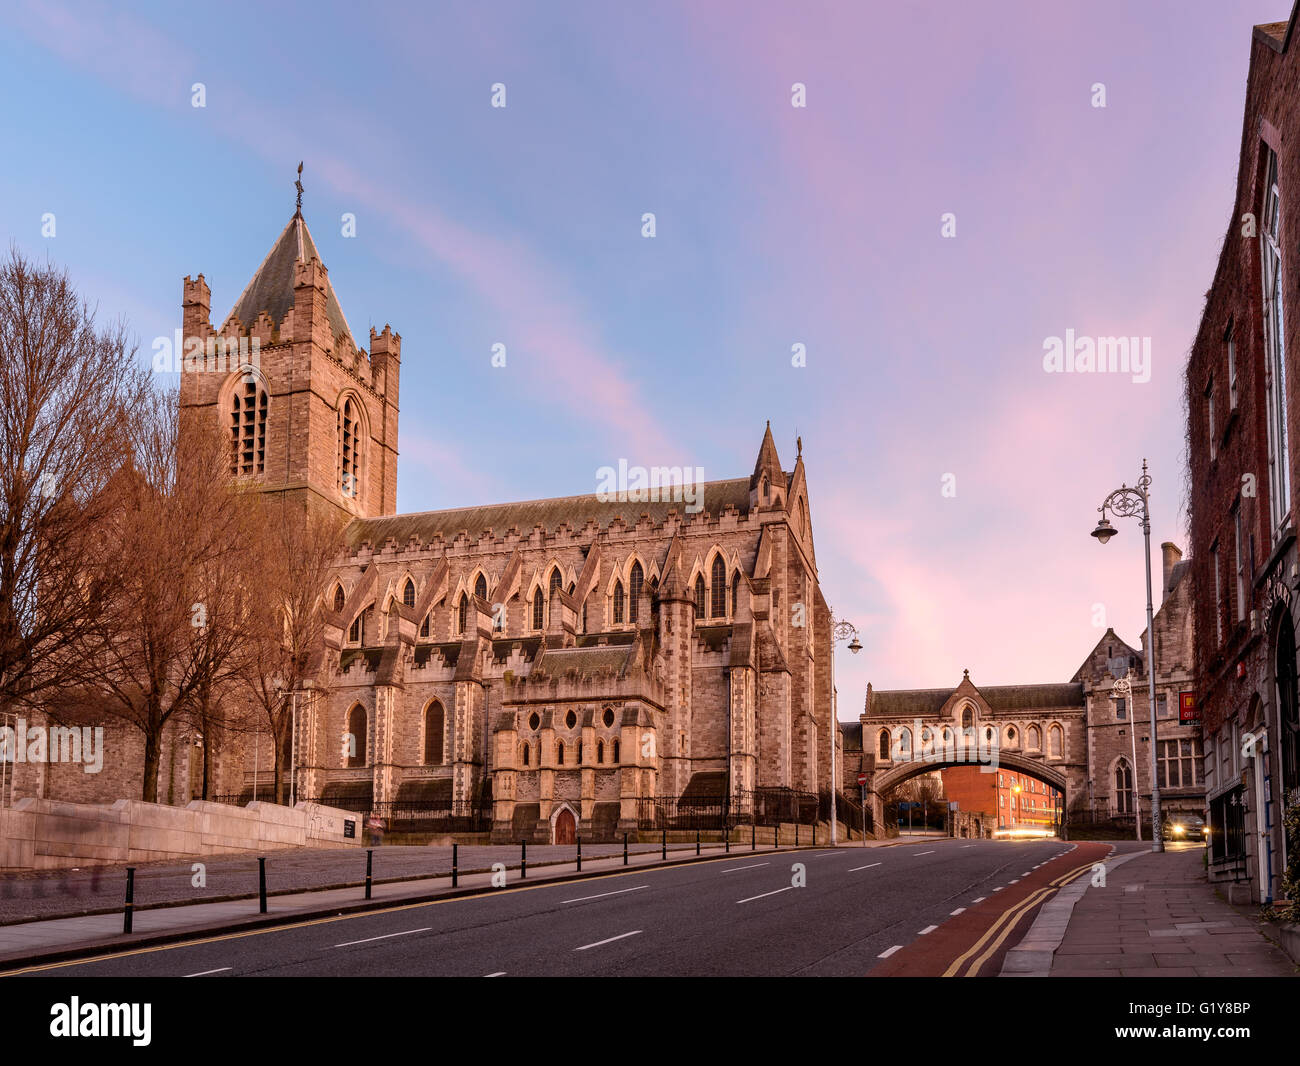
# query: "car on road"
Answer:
x=1185 y=826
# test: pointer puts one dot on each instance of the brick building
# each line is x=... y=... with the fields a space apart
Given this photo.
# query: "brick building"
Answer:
x=1080 y=738
x=1012 y=799
x=1242 y=427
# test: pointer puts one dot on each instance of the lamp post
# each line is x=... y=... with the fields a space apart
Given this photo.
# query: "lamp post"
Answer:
x=840 y=630
x=1126 y=502
x=1123 y=690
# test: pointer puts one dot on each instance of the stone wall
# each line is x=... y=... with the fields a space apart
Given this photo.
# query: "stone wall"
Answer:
x=49 y=834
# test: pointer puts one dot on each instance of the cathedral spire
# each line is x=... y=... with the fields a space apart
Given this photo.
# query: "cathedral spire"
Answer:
x=298 y=186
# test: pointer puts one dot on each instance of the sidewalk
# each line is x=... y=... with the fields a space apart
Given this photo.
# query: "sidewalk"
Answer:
x=56 y=938
x=1157 y=916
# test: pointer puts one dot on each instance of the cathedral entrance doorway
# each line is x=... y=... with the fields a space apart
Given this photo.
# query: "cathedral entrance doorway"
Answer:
x=566 y=828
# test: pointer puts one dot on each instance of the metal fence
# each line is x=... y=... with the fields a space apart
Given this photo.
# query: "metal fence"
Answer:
x=769 y=806
x=413 y=816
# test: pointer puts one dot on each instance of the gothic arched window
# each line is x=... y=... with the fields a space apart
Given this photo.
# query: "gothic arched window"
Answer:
x=554 y=582
x=884 y=743
x=1035 y=739
x=718 y=604
x=424 y=627
x=1055 y=739
x=538 y=609
x=559 y=753
x=248 y=408
x=967 y=718
x=433 y=726
x=462 y=613
x=600 y=751
x=356 y=748
x=408 y=593
x=634 y=583
x=524 y=753
x=339 y=598
x=735 y=591
x=480 y=587
x=1123 y=787
x=350 y=446
x=615 y=752
x=699 y=596
x=618 y=603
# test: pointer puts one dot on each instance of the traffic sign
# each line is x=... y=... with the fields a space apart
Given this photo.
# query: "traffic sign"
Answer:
x=862 y=777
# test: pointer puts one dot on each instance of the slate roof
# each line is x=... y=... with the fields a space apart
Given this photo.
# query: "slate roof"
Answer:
x=271 y=287
x=919 y=702
x=556 y=662
x=524 y=515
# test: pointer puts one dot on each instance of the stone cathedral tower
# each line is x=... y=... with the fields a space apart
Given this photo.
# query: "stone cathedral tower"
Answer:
x=310 y=415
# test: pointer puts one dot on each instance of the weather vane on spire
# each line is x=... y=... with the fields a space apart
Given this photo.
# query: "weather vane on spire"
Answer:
x=298 y=186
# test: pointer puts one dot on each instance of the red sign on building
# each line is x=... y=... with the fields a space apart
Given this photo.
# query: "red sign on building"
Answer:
x=1188 y=712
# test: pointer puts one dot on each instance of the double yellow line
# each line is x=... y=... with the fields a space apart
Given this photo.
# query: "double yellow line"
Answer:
x=1007 y=920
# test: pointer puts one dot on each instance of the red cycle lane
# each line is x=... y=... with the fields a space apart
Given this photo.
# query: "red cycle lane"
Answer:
x=974 y=942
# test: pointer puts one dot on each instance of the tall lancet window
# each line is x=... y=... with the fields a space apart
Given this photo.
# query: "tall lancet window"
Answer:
x=635 y=583
x=248 y=407
x=350 y=449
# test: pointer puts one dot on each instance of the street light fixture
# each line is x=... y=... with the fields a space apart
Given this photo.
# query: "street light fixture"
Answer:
x=1134 y=502
x=841 y=630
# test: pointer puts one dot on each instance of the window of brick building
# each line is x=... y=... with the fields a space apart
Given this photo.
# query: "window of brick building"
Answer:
x=539 y=608
x=1176 y=762
x=433 y=729
x=1279 y=464
x=699 y=596
x=1230 y=347
x=1209 y=418
x=356 y=749
x=1123 y=787
x=339 y=598
x=1218 y=592
x=408 y=593
x=618 y=603
x=462 y=613
x=1241 y=564
x=480 y=587
x=350 y=449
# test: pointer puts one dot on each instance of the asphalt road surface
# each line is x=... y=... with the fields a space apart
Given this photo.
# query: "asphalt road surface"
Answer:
x=741 y=916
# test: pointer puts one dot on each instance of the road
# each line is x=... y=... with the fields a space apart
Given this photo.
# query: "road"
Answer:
x=858 y=910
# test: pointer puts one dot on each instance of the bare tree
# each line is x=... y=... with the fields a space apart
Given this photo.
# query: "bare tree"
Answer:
x=175 y=522
x=288 y=623
x=69 y=393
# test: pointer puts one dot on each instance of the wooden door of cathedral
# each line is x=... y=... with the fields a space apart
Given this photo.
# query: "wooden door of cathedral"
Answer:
x=566 y=830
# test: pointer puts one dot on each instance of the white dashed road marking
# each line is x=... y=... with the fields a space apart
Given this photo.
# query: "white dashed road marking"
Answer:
x=867 y=867
x=388 y=936
x=959 y=910
x=927 y=929
x=885 y=954
x=602 y=895
x=766 y=894
x=206 y=972
x=598 y=943
x=756 y=865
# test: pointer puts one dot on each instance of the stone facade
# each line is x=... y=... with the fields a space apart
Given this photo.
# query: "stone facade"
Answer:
x=557 y=663
x=1244 y=417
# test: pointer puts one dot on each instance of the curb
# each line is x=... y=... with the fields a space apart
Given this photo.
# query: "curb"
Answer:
x=1032 y=957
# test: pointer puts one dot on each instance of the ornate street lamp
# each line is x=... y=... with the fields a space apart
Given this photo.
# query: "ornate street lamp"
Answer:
x=841 y=630
x=1133 y=502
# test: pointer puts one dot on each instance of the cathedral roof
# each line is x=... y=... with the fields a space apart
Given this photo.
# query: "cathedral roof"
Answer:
x=271 y=288
x=549 y=514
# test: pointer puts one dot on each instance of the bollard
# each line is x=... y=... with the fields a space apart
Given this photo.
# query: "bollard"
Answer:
x=129 y=911
x=454 y=867
x=370 y=855
x=796 y=834
x=579 y=839
x=523 y=859
x=753 y=835
x=624 y=849
x=726 y=838
x=697 y=842
x=664 y=854
x=776 y=837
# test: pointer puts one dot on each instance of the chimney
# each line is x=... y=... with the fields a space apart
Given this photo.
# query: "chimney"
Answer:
x=1172 y=554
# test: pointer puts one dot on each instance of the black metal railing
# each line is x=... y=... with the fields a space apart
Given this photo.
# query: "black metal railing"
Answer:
x=414 y=816
x=768 y=806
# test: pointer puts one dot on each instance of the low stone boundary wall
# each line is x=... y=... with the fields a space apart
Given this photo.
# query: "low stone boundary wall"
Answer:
x=38 y=834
